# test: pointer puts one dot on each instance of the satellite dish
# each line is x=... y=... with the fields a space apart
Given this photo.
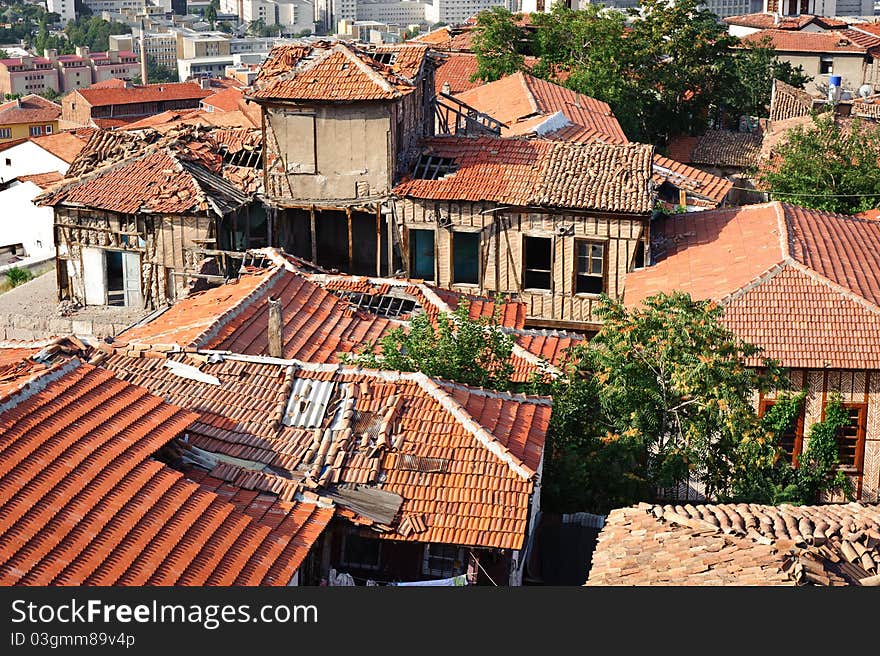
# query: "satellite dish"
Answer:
x=865 y=90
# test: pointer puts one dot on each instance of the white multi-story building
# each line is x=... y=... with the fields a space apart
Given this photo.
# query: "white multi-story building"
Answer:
x=113 y=6
x=400 y=12
x=296 y=16
x=161 y=46
x=453 y=12
x=63 y=8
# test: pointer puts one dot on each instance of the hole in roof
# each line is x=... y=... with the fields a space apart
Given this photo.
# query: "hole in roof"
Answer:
x=432 y=167
x=387 y=58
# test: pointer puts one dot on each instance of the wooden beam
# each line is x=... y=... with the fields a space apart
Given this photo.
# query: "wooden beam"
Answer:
x=274 y=328
x=379 y=240
x=350 y=239
x=313 y=242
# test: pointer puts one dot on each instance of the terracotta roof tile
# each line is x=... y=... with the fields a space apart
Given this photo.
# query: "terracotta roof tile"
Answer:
x=518 y=100
x=836 y=41
x=78 y=476
x=737 y=544
x=29 y=109
x=694 y=181
x=337 y=71
x=104 y=95
x=64 y=145
x=42 y=180
x=461 y=457
x=802 y=284
x=446 y=38
x=789 y=102
x=767 y=20
x=727 y=148
x=540 y=174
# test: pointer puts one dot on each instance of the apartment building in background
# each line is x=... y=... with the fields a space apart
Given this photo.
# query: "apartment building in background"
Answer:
x=64 y=8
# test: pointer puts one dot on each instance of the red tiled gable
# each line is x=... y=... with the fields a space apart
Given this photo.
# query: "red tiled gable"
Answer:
x=408 y=60
x=539 y=173
x=681 y=149
x=154 y=182
x=464 y=459
x=448 y=39
x=692 y=180
x=768 y=20
x=227 y=100
x=788 y=102
x=77 y=478
x=64 y=145
x=42 y=180
x=104 y=95
x=837 y=41
x=332 y=72
x=549 y=345
x=29 y=109
x=516 y=100
x=801 y=284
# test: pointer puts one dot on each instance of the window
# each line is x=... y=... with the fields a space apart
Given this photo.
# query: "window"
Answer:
x=48 y=129
x=360 y=552
x=826 y=65
x=590 y=274
x=5 y=133
x=465 y=258
x=538 y=259
x=8 y=162
x=36 y=130
x=443 y=560
x=851 y=438
x=421 y=254
x=639 y=256
x=792 y=440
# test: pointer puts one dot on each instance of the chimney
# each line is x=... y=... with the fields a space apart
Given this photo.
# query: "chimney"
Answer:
x=205 y=83
x=50 y=53
x=274 y=328
x=82 y=51
x=446 y=88
x=143 y=55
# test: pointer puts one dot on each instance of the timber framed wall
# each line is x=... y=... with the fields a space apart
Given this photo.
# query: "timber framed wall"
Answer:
x=165 y=245
x=502 y=232
x=855 y=387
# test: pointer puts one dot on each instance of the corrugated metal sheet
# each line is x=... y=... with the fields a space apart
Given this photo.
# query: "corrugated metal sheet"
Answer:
x=308 y=403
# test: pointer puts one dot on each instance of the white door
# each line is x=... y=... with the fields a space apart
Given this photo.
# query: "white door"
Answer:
x=94 y=273
x=131 y=279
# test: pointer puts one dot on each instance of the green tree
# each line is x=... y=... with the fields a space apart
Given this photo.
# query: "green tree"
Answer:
x=157 y=73
x=225 y=27
x=50 y=94
x=497 y=42
x=470 y=351
x=755 y=66
x=660 y=395
x=16 y=276
x=827 y=166
x=3 y=54
x=256 y=27
x=211 y=15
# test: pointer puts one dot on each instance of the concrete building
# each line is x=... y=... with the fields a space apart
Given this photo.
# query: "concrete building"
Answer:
x=161 y=46
x=295 y=16
x=401 y=12
x=453 y=12
x=25 y=75
x=74 y=71
x=64 y=8
x=217 y=66
x=112 y=65
x=114 y=6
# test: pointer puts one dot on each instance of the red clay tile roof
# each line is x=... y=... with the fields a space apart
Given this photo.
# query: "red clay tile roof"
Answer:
x=455 y=39
x=516 y=100
x=64 y=145
x=539 y=173
x=788 y=102
x=837 y=41
x=767 y=20
x=227 y=100
x=42 y=180
x=549 y=345
x=512 y=313
x=157 y=181
x=83 y=502
x=29 y=109
x=681 y=149
x=456 y=69
x=727 y=148
x=461 y=459
x=409 y=58
x=338 y=71
x=694 y=181
x=106 y=94
x=737 y=544
x=803 y=285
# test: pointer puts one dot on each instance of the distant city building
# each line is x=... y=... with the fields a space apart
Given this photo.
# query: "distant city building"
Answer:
x=453 y=12
x=24 y=75
x=161 y=46
x=402 y=12
x=64 y=8
x=113 y=6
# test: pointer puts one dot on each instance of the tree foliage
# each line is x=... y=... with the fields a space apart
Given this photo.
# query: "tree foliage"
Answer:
x=666 y=69
x=827 y=166
x=754 y=69
x=16 y=276
x=497 y=43
x=662 y=395
x=157 y=73
x=470 y=351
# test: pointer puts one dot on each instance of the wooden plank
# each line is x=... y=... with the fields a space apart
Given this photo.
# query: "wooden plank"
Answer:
x=274 y=328
x=350 y=239
x=312 y=233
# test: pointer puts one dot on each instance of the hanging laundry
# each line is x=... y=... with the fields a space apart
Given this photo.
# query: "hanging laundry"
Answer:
x=461 y=579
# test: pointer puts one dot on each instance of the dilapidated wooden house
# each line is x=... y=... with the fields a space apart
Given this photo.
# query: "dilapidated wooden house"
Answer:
x=553 y=223
x=137 y=218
